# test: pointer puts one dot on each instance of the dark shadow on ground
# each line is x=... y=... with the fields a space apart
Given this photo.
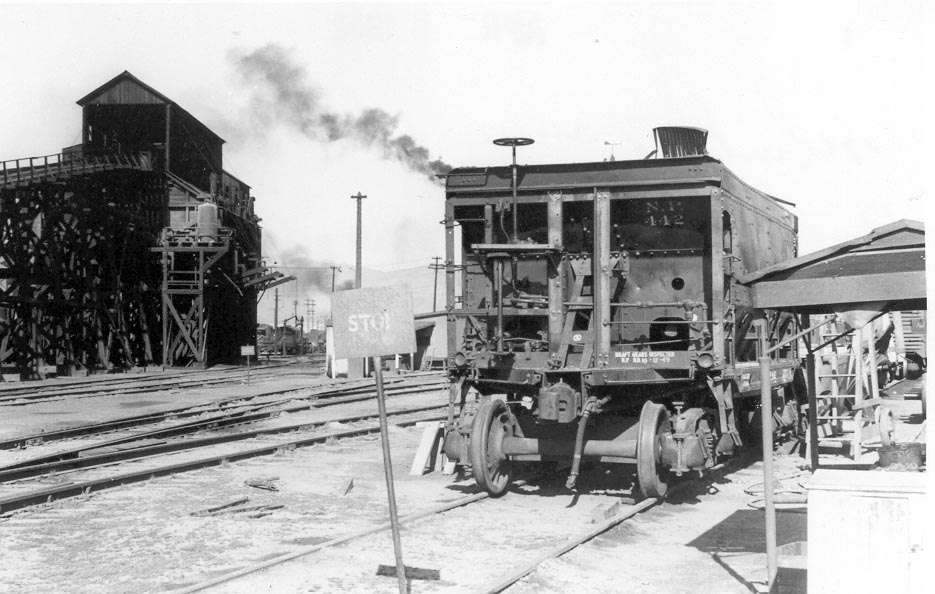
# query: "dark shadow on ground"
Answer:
x=614 y=480
x=744 y=532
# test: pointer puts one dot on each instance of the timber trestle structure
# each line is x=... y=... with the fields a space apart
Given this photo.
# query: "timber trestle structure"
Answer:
x=131 y=249
x=76 y=275
x=92 y=280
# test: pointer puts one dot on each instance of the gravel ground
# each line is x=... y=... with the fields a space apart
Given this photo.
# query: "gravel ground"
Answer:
x=143 y=537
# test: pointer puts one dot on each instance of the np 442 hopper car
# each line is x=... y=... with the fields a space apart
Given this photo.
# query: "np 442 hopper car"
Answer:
x=594 y=312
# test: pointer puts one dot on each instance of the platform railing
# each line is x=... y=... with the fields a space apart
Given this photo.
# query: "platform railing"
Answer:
x=196 y=235
x=19 y=171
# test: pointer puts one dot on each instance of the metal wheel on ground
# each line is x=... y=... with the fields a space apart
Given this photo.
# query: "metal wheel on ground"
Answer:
x=651 y=474
x=492 y=469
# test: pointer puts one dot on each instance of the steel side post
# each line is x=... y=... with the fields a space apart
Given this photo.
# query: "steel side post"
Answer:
x=388 y=468
x=766 y=414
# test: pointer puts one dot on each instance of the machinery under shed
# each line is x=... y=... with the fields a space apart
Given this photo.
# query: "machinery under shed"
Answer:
x=134 y=248
x=867 y=521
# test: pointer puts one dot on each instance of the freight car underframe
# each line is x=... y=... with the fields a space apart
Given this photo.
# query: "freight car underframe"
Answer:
x=618 y=416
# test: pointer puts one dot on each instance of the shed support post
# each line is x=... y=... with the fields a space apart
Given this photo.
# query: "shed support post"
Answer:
x=766 y=410
x=812 y=411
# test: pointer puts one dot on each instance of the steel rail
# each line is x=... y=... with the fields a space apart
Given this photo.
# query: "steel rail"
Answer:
x=110 y=426
x=92 y=460
x=21 y=500
x=460 y=502
x=92 y=391
x=69 y=384
x=155 y=384
x=241 y=415
x=515 y=576
x=512 y=578
x=334 y=396
x=436 y=511
x=227 y=405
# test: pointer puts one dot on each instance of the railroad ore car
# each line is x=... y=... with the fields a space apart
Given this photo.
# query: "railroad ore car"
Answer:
x=593 y=312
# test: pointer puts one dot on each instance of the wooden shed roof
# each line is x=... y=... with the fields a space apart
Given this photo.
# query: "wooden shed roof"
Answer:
x=128 y=89
x=885 y=266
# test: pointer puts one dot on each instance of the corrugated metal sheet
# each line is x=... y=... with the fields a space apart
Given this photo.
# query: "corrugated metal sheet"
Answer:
x=680 y=141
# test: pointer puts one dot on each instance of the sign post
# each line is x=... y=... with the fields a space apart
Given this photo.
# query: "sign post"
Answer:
x=374 y=322
x=248 y=351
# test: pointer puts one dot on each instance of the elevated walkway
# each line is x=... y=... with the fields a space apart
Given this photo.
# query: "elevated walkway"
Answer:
x=20 y=172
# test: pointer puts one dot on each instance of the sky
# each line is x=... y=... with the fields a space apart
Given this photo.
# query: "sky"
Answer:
x=820 y=104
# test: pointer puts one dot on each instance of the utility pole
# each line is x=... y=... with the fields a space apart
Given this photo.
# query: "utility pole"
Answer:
x=333 y=269
x=436 y=267
x=357 y=273
x=310 y=312
x=276 y=309
x=358 y=367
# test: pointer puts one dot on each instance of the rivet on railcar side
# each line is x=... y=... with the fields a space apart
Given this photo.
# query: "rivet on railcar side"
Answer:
x=594 y=312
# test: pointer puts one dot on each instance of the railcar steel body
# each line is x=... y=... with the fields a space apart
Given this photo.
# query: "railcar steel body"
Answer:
x=593 y=311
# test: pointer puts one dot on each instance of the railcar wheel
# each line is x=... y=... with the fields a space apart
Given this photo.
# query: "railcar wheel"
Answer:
x=492 y=469
x=650 y=473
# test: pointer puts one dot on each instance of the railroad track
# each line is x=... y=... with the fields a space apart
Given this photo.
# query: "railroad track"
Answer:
x=66 y=384
x=239 y=406
x=493 y=587
x=434 y=519
x=29 y=393
x=94 y=470
x=257 y=417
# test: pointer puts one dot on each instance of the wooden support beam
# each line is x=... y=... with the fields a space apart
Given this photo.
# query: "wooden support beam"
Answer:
x=281 y=281
x=261 y=279
x=429 y=447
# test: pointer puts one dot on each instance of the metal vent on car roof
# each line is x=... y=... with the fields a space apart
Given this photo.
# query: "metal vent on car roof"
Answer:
x=680 y=141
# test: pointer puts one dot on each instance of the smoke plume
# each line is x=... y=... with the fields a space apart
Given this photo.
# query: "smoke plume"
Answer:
x=311 y=275
x=284 y=95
